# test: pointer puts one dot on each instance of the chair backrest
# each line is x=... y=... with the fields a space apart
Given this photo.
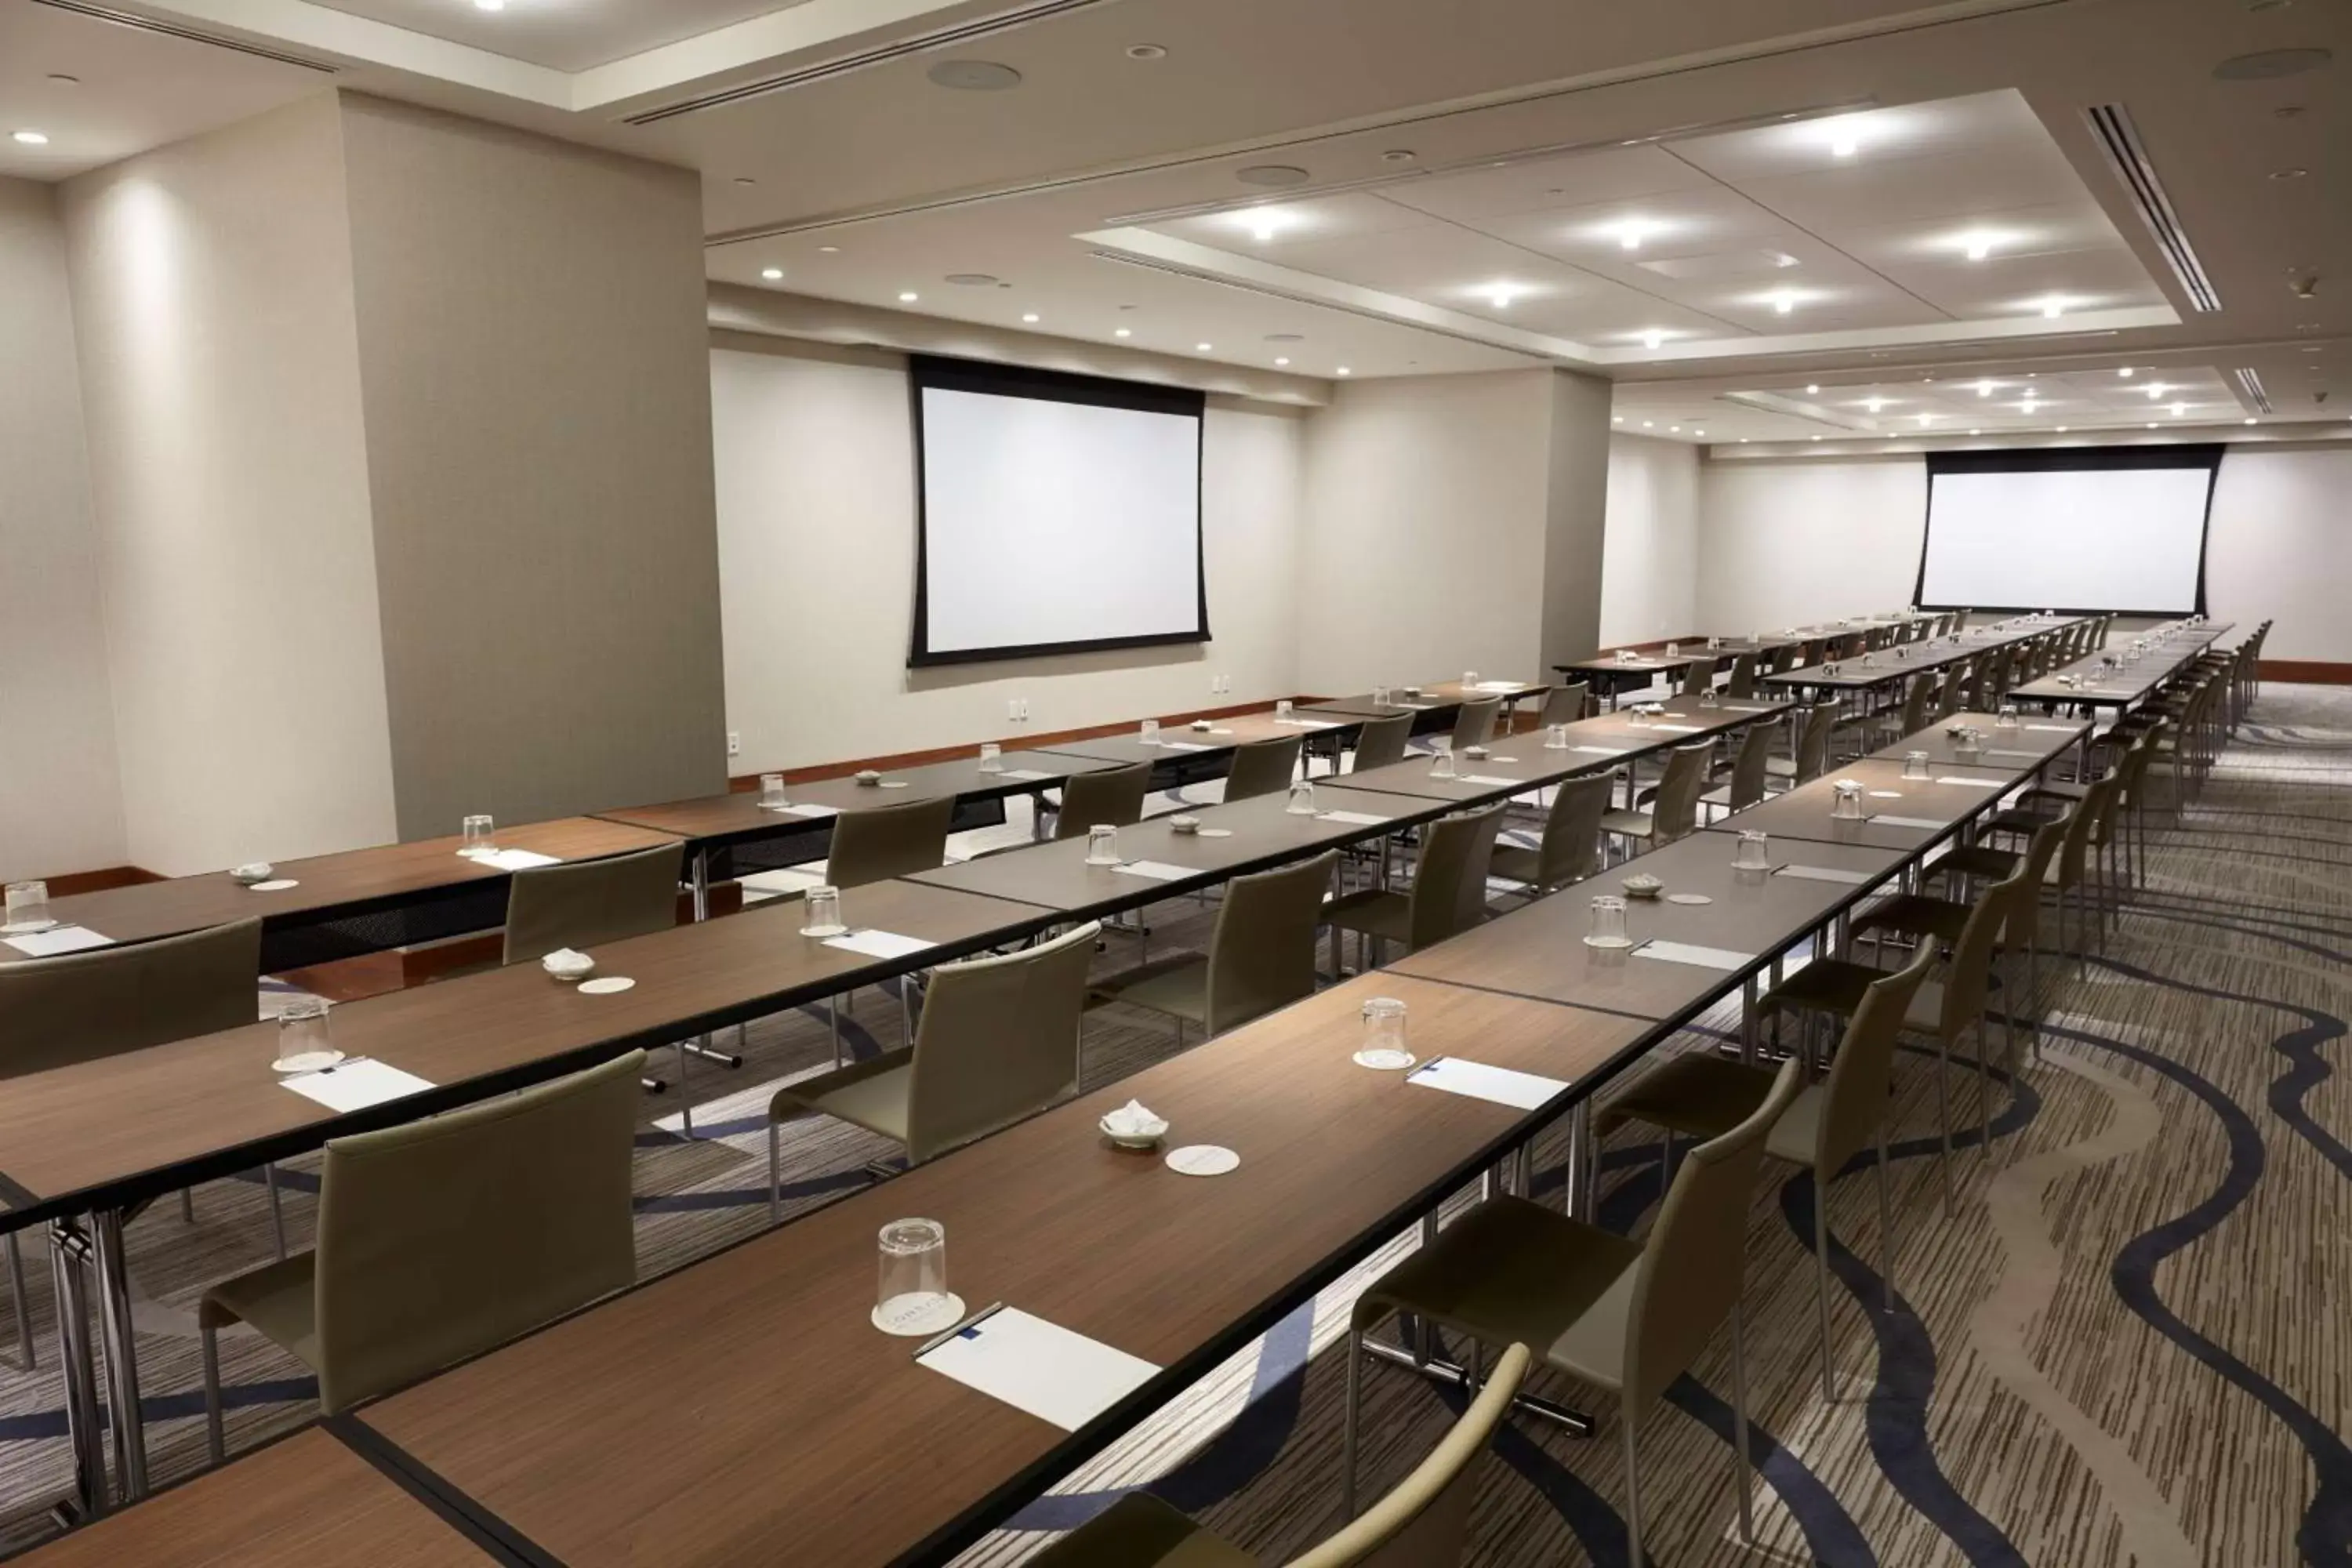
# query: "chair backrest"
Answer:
x=1855 y=1097
x=1742 y=684
x=1915 y=704
x=1449 y=881
x=1954 y=690
x=440 y=1239
x=2073 y=849
x=79 y=1007
x=998 y=1041
x=589 y=902
x=1692 y=1265
x=1813 y=743
x=2023 y=928
x=1475 y=725
x=1263 y=767
x=1699 y=674
x=1747 y=768
x=1262 y=953
x=1113 y=796
x=1966 y=981
x=1425 y=1521
x=1570 y=851
x=885 y=841
x=1676 y=811
x=1382 y=741
x=1565 y=703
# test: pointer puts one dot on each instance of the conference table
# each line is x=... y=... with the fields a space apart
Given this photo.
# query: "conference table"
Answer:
x=1858 y=680
x=2094 y=683
x=2030 y=741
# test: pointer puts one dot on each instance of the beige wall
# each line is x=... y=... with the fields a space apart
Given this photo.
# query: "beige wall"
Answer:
x=1576 y=519
x=533 y=358
x=60 y=795
x=817 y=530
x=1649 y=586
x=213 y=301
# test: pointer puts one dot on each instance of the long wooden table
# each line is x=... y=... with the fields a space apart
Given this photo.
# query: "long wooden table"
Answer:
x=2122 y=685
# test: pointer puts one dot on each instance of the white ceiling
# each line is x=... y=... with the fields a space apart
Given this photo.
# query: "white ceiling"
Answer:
x=563 y=35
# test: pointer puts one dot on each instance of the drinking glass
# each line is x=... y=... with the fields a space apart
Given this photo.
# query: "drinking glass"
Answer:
x=1709 y=696
x=28 y=907
x=1607 y=921
x=2007 y=717
x=1969 y=742
x=1442 y=765
x=305 y=1042
x=992 y=757
x=1381 y=695
x=1915 y=764
x=1625 y=656
x=1102 y=844
x=822 y=907
x=1150 y=735
x=1846 y=802
x=1555 y=737
x=1282 y=708
x=1674 y=650
x=772 y=792
x=1302 y=799
x=1753 y=852
x=476 y=838
x=1469 y=680
x=912 y=1297
x=1384 y=1035
x=1714 y=644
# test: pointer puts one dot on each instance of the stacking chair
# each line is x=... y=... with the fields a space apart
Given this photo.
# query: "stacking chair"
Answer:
x=1812 y=752
x=1113 y=796
x=1741 y=686
x=1699 y=674
x=80 y=1006
x=1382 y=741
x=1263 y=767
x=1475 y=725
x=1953 y=692
x=1261 y=955
x=1673 y=802
x=1745 y=786
x=587 y=903
x=1566 y=703
x=1629 y=1317
x=998 y=1042
x=1700 y=1095
x=1912 y=716
x=1448 y=892
x=1570 y=850
x=880 y=842
x=441 y=1239
x=1424 y=1523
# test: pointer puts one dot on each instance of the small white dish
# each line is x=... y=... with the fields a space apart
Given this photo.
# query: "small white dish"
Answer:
x=1184 y=824
x=1641 y=885
x=1202 y=725
x=610 y=985
x=1476 y=754
x=1134 y=1126
x=868 y=777
x=253 y=872
x=568 y=965
x=1215 y=832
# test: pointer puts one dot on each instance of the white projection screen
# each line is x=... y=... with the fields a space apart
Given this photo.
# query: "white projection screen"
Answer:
x=2098 y=528
x=1058 y=513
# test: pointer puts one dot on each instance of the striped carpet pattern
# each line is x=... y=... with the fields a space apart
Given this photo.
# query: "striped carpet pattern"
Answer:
x=2125 y=1345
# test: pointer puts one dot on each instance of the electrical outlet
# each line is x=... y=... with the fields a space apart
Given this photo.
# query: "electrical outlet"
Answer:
x=1024 y=710
x=734 y=743
x=1013 y=710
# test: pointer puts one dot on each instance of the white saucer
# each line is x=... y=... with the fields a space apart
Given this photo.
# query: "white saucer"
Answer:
x=1212 y=833
x=1203 y=1160
x=822 y=931
x=307 y=1061
x=275 y=885
x=1609 y=943
x=1384 y=1060
x=610 y=985
x=1114 y=860
x=1688 y=898
x=920 y=1317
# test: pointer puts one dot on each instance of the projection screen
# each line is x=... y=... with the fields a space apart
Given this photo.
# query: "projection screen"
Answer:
x=1057 y=513
x=2088 y=529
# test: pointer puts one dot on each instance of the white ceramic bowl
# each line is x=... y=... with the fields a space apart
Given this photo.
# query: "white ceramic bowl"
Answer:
x=1641 y=885
x=1184 y=824
x=569 y=969
x=1152 y=1133
x=258 y=871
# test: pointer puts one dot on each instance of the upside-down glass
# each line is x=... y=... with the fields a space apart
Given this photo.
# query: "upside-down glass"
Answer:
x=304 y=1040
x=476 y=838
x=1380 y=696
x=1384 y=1035
x=911 y=1296
x=1469 y=680
x=2007 y=717
x=992 y=757
x=1609 y=921
x=1753 y=852
x=822 y=908
x=28 y=907
x=1282 y=708
x=772 y=792
x=1915 y=764
x=1625 y=656
x=1150 y=732
x=1845 y=804
x=1555 y=737
x=1302 y=799
x=1102 y=844
x=1714 y=644
x=1441 y=765
x=1709 y=696
x=1674 y=650
x=1969 y=742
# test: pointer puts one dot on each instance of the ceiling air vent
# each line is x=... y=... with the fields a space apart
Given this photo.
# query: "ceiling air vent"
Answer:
x=2111 y=124
x=176 y=30
x=2251 y=382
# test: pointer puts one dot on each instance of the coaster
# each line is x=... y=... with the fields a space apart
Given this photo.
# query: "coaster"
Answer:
x=1886 y=794
x=1203 y=1160
x=609 y=985
x=26 y=928
x=1100 y=860
x=307 y=1061
x=894 y=783
x=1609 y=943
x=1213 y=833
x=1384 y=1060
x=918 y=1314
x=275 y=885
x=822 y=931
x=1688 y=898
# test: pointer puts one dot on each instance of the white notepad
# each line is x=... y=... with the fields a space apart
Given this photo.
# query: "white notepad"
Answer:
x=1024 y=775
x=1928 y=823
x=2029 y=756
x=57 y=939
x=1829 y=873
x=812 y=811
x=2060 y=729
x=1504 y=1086
x=1980 y=784
x=1601 y=751
x=879 y=943
x=1308 y=723
x=1357 y=818
x=1680 y=729
x=1494 y=781
x=1186 y=746
x=1158 y=871
x=511 y=859
x=356 y=1084
x=1690 y=953
x=1498 y=686
x=1049 y=1371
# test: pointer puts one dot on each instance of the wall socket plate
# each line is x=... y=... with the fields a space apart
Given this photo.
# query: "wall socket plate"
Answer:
x=734 y=743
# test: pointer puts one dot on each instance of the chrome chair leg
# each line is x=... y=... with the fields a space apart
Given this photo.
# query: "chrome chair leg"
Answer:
x=1885 y=1226
x=1821 y=1287
x=276 y=1210
x=214 y=1444
x=27 y=1357
x=1632 y=1484
x=1347 y=1430
x=775 y=1172
x=1740 y=1477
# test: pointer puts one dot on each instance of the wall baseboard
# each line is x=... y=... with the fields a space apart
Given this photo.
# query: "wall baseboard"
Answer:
x=2307 y=671
x=100 y=881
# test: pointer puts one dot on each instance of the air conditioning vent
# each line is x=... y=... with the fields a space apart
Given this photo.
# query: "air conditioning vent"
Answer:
x=178 y=30
x=2250 y=382
x=2120 y=139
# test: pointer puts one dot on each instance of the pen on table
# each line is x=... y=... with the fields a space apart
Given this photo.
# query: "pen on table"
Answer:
x=936 y=1340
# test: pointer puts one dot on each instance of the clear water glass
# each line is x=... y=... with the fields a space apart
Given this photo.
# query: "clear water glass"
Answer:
x=1709 y=696
x=1282 y=708
x=1150 y=732
x=911 y=1294
x=1714 y=644
x=1102 y=844
x=1915 y=764
x=1302 y=799
x=1753 y=852
x=1555 y=737
x=1969 y=742
x=1845 y=804
x=1381 y=695
x=2007 y=717
x=476 y=836
x=772 y=792
x=305 y=1039
x=29 y=905
x=992 y=757
x=1625 y=656
x=1674 y=650
x=1469 y=680
x=1442 y=764
x=1609 y=919
x=1384 y=1035
x=822 y=908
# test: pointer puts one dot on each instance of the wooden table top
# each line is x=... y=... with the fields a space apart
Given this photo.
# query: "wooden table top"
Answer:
x=1686 y=721
x=1455 y=691
x=1538 y=951
x=2030 y=745
x=104 y=1134
x=1883 y=667
x=737 y=814
x=1361 y=705
x=307 y=1501
x=1263 y=832
x=1644 y=664
x=1804 y=812
x=743 y=1410
x=2125 y=684
x=352 y=880
x=1521 y=762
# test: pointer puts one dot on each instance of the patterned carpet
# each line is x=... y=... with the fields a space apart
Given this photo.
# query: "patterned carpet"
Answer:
x=2126 y=1344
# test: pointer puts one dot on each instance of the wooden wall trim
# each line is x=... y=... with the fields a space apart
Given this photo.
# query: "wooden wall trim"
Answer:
x=100 y=881
x=2307 y=671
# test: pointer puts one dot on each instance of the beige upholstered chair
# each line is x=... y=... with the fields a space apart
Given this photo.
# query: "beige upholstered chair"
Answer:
x=441 y=1239
x=1475 y=725
x=586 y=904
x=1382 y=741
x=1629 y=1316
x=880 y=842
x=1741 y=686
x=1571 y=848
x=1566 y=703
x=1263 y=767
x=1745 y=787
x=1912 y=717
x=1673 y=803
x=1261 y=955
x=1813 y=748
x=1114 y=795
x=1424 y=1523
x=998 y=1042
x=1699 y=674
x=1448 y=892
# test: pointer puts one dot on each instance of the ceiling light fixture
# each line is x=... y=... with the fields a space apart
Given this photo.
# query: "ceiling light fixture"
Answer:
x=1264 y=222
x=1653 y=339
x=1977 y=246
x=1272 y=174
x=1984 y=389
x=1674 y=429
x=490 y=4
x=771 y=273
x=1645 y=425
x=1784 y=301
x=2179 y=409
x=1399 y=155
x=908 y=296
x=1502 y=294
x=1616 y=419
x=2151 y=423
x=2250 y=420
x=1343 y=370
x=1030 y=317
x=1873 y=403
x=29 y=138
x=1200 y=348
x=1927 y=420
x=828 y=251
x=2053 y=309
x=1124 y=333
x=1976 y=432
x=1281 y=360
x=2126 y=372
x=971 y=76
x=1147 y=51
x=2157 y=389
x=1698 y=432
x=1812 y=389
x=1632 y=232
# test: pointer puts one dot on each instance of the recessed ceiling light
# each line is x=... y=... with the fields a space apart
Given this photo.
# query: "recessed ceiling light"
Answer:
x=1343 y=370
x=908 y=296
x=2268 y=65
x=828 y=251
x=1201 y=348
x=1784 y=301
x=1976 y=432
x=1632 y=232
x=2151 y=423
x=490 y=4
x=2250 y=421
x=2157 y=389
x=973 y=76
x=2126 y=372
x=1147 y=51
x=2061 y=429
x=29 y=138
x=1281 y=360
x=1977 y=247
x=1653 y=338
x=1676 y=429
x=1698 y=432
x=1817 y=438
x=2288 y=173
x=2053 y=309
x=1645 y=425
x=1984 y=389
x=745 y=180
x=1029 y=316
x=771 y=273
x=1264 y=222
x=1743 y=440
x=1272 y=174
x=1927 y=420
x=1399 y=155
x=1124 y=333
x=2179 y=409
x=1502 y=294
x=1616 y=419
x=1873 y=403
x=1811 y=389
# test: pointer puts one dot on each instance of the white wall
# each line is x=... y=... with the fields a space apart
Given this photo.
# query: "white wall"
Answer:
x=816 y=542
x=1790 y=543
x=61 y=801
x=1650 y=560
x=213 y=295
x=2280 y=548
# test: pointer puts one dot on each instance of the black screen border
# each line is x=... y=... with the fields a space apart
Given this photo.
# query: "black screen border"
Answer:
x=926 y=371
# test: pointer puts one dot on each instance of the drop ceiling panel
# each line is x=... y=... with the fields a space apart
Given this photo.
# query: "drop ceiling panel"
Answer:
x=563 y=35
x=1537 y=184
x=1940 y=191
x=1292 y=224
x=1976 y=125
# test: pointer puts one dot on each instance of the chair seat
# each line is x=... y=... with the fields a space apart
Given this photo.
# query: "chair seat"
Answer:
x=1697 y=1094
x=1513 y=1272
x=1917 y=914
x=869 y=1094
x=1780 y=767
x=1177 y=985
x=2016 y=820
x=1514 y=864
x=1826 y=984
x=279 y=1299
x=1632 y=824
x=1383 y=912
x=1139 y=1530
x=1978 y=861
